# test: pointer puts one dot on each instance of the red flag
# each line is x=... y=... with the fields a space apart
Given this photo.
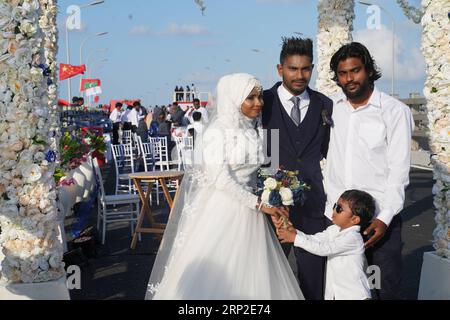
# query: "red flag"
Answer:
x=89 y=83
x=67 y=71
x=63 y=103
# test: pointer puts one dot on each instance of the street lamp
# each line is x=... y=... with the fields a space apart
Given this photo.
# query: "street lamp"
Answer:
x=69 y=83
x=92 y=53
x=93 y=64
x=84 y=42
x=393 y=42
x=81 y=50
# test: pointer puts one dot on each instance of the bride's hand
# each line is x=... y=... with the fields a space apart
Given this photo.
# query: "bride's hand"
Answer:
x=275 y=211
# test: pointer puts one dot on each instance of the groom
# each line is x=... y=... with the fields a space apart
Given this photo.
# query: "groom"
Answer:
x=300 y=115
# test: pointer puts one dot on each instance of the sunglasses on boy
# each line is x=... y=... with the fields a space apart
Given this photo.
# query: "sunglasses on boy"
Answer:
x=338 y=208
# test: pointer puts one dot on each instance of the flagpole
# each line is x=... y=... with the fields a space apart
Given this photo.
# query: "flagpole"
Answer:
x=81 y=50
x=69 y=84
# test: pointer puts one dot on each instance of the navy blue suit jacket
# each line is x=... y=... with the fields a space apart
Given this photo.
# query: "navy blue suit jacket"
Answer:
x=303 y=147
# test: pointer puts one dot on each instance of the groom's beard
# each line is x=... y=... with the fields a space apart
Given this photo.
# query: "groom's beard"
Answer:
x=359 y=92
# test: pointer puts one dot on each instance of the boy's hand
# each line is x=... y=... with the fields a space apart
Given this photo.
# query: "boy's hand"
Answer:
x=287 y=235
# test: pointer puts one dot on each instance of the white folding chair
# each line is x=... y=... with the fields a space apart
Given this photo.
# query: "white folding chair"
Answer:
x=124 y=165
x=114 y=208
x=147 y=154
x=160 y=149
x=126 y=136
x=160 y=152
x=185 y=147
x=146 y=150
x=135 y=144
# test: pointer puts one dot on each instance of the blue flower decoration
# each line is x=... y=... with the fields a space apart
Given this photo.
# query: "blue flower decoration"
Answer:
x=50 y=156
x=299 y=196
x=279 y=175
x=275 y=198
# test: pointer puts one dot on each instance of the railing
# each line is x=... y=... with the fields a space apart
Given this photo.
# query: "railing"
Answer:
x=189 y=96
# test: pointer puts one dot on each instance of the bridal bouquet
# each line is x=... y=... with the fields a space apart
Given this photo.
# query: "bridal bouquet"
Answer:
x=283 y=188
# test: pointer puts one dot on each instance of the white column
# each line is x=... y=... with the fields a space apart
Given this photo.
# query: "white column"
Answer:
x=28 y=208
x=436 y=48
x=335 y=29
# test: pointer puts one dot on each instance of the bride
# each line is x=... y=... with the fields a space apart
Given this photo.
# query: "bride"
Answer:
x=218 y=243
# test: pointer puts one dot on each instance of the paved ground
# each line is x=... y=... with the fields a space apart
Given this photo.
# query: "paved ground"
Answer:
x=121 y=273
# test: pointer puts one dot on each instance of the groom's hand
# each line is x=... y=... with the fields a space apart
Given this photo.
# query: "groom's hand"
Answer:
x=379 y=228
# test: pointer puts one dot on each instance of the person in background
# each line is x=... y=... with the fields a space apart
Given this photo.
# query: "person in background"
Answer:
x=133 y=117
x=115 y=119
x=194 y=93
x=177 y=115
x=188 y=93
x=197 y=108
x=126 y=123
x=142 y=129
x=196 y=128
x=177 y=93
x=181 y=89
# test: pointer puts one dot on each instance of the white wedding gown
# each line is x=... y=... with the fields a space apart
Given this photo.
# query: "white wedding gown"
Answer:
x=222 y=247
x=227 y=249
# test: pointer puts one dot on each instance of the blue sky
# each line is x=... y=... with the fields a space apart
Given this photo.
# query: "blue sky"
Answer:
x=154 y=45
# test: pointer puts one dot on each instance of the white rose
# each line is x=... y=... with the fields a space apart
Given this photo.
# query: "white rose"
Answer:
x=23 y=56
x=27 y=28
x=270 y=183
x=287 y=196
x=32 y=173
x=36 y=75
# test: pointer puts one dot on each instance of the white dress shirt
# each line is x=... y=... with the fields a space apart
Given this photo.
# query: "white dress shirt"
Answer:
x=346 y=277
x=124 y=117
x=133 y=117
x=370 y=150
x=204 y=113
x=115 y=116
x=288 y=104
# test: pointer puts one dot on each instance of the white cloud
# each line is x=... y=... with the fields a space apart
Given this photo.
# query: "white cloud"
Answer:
x=409 y=63
x=185 y=30
x=141 y=31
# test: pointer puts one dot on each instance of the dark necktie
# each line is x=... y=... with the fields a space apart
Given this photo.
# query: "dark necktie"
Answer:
x=295 y=113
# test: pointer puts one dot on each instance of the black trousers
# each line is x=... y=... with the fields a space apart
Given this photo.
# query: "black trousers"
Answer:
x=310 y=268
x=116 y=127
x=387 y=254
x=126 y=126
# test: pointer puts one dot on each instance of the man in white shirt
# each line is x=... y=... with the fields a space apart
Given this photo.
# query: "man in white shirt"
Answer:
x=133 y=117
x=195 y=129
x=369 y=150
x=126 y=123
x=115 y=118
x=198 y=108
x=342 y=243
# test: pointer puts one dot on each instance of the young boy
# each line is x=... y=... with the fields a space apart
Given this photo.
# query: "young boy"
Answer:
x=342 y=243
